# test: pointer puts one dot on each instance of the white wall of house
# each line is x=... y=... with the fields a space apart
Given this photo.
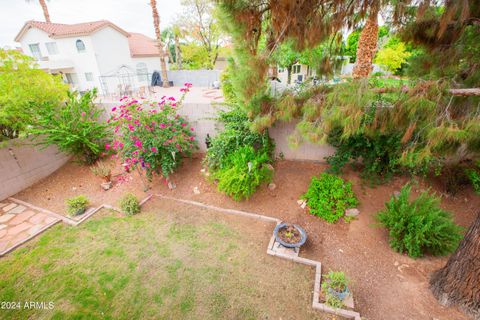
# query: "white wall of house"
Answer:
x=151 y=63
x=67 y=58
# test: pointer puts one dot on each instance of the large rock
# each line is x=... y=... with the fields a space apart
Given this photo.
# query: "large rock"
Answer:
x=353 y=212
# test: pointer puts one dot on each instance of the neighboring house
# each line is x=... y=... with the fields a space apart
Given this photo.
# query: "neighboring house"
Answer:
x=92 y=54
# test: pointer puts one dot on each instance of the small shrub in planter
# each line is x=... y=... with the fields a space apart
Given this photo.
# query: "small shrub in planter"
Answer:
x=328 y=196
x=130 y=204
x=419 y=226
x=244 y=171
x=335 y=288
x=76 y=205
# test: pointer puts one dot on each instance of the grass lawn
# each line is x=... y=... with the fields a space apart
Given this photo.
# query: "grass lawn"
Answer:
x=169 y=262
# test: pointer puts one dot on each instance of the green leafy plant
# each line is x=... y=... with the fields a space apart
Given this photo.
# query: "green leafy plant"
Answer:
x=25 y=90
x=75 y=128
x=419 y=226
x=150 y=136
x=334 y=282
x=235 y=135
x=474 y=177
x=129 y=204
x=244 y=170
x=76 y=205
x=328 y=196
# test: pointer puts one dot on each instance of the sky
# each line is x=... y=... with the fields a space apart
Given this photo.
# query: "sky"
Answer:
x=130 y=15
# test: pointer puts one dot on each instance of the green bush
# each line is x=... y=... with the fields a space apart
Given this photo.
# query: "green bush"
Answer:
x=244 y=170
x=129 y=204
x=24 y=89
x=336 y=281
x=235 y=135
x=75 y=128
x=380 y=155
x=76 y=205
x=328 y=196
x=419 y=226
x=474 y=177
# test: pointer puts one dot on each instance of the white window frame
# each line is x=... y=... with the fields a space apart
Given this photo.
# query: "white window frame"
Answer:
x=52 y=48
x=36 y=54
x=89 y=76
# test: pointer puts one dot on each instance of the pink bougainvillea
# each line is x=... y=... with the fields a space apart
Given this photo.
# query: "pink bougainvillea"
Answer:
x=151 y=135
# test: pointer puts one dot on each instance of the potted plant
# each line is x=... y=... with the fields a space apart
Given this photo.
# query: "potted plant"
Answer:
x=290 y=235
x=335 y=288
x=76 y=205
x=105 y=172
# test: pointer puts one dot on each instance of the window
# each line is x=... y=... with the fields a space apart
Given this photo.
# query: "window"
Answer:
x=80 y=46
x=142 y=71
x=296 y=68
x=89 y=76
x=51 y=48
x=35 y=50
x=71 y=78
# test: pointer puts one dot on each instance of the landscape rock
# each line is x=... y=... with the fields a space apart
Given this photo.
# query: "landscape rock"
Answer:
x=171 y=185
x=300 y=201
x=272 y=186
x=304 y=204
x=196 y=190
x=353 y=212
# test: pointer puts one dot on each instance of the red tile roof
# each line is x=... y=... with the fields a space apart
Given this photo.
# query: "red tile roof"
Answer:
x=60 y=30
x=142 y=46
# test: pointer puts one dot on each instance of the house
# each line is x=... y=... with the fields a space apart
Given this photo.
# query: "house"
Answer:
x=93 y=54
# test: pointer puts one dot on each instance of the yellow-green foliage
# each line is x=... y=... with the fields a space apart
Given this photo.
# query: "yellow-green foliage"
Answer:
x=392 y=57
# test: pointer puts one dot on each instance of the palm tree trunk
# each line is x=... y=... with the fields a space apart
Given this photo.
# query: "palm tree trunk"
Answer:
x=367 y=46
x=458 y=283
x=178 y=54
x=156 y=24
x=45 y=10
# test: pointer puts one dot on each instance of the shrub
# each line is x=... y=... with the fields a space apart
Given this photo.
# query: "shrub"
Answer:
x=474 y=177
x=76 y=205
x=129 y=204
x=102 y=170
x=380 y=155
x=244 y=170
x=334 y=281
x=235 y=135
x=25 y=89
x=152 y=136
x=419 y=226
x=328 y=196
x=75 y=128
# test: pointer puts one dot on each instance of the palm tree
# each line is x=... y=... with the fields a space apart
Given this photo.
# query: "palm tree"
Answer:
x=156 y=24
x=367 y=46
x=178 y=54
x=43 y=4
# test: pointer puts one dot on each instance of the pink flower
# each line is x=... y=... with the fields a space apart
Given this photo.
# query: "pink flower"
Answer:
x=192 y=138
x=171 y=98
x=191 y=129
x=162 y=125
x=184 y=124
x=187 y=84
x=107 y=146
x=132 y=128
x=83 y=114
x=114 y=108
x=138 y=143
x=154 y=149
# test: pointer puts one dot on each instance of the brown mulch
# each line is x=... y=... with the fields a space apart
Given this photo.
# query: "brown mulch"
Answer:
x=385 y=284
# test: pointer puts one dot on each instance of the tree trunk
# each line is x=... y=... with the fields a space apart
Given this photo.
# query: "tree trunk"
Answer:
x=458 y=283
x=289 y=74
x=367 y=46
x=156 y=24
x=178 y=54
x=45 y=10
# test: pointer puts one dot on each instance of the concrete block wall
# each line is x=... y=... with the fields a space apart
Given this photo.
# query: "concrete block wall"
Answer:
x=202 y=118
x=22 y=164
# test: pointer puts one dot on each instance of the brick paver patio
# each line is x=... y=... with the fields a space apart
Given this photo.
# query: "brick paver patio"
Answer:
x=19 y=224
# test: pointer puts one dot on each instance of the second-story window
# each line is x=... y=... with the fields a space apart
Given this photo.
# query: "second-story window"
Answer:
x=52 y=48
x=80 y=46
x=35 y=50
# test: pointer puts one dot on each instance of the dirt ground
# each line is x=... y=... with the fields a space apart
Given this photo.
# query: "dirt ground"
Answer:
x=386 y=284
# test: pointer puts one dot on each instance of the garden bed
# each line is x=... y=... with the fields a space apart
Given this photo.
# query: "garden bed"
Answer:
x=383 y=281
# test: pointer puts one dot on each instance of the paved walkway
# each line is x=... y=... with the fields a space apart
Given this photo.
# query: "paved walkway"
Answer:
x=19 y=224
